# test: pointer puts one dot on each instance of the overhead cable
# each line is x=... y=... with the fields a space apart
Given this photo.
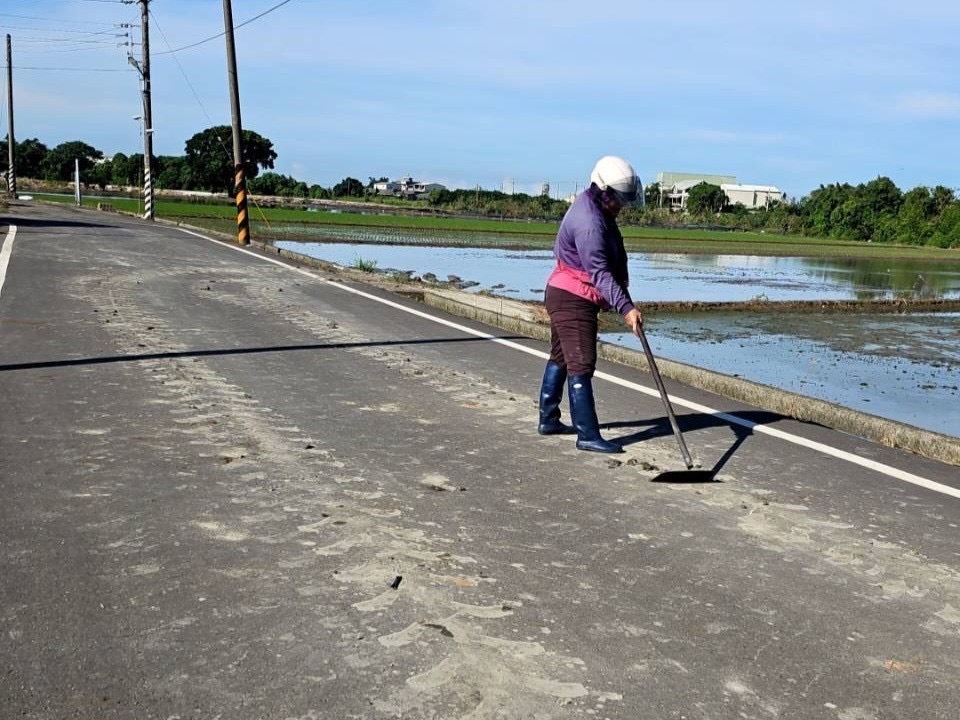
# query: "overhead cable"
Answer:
x=220 y=35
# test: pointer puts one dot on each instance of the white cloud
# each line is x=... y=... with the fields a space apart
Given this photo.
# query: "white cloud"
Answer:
x=728 y=136
x=925 y=105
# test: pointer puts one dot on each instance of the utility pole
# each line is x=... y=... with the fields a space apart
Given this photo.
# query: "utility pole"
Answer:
x=147 y=115
x=143 y=67
x=239 y=183
x=11 y=144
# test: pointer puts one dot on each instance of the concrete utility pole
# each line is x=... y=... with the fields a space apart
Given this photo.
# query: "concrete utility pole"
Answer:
x=147 y=115
x=11 y=144
x=143 y=67
x=239 y=183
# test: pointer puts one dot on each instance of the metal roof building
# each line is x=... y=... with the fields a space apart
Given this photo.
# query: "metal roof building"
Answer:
x=753 y=196
x=669 y=179
x=675 y=188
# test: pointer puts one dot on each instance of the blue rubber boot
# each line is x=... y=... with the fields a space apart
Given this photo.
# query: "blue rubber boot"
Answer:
x=584 y=414
x=551 y=393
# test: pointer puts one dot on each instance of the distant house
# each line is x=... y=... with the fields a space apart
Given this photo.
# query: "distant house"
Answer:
x=753 y=197
x=406 y=187
x=675 y=189
x=386 y=187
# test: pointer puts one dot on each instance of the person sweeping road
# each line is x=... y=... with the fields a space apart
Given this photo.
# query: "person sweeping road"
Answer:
x=590 y=276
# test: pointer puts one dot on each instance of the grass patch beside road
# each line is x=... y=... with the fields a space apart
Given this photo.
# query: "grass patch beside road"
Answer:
x=267 y=223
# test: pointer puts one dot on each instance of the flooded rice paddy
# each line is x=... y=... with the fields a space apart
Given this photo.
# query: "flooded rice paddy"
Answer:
x=902 y=367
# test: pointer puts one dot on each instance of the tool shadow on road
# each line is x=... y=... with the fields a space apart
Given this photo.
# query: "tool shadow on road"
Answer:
x=44 y=364
x=660 y=427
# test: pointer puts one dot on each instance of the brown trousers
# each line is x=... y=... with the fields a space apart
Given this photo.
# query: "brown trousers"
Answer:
x=573 y=331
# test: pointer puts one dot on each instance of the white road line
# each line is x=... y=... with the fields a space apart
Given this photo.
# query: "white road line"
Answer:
x=690 y=405
x=5 y=254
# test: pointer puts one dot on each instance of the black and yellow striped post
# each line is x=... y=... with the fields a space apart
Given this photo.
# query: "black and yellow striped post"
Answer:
x=240 y=193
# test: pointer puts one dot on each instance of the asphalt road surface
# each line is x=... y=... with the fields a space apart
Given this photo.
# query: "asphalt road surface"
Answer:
x=234 y=488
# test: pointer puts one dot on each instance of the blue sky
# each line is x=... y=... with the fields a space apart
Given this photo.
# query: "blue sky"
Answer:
x=512 y=93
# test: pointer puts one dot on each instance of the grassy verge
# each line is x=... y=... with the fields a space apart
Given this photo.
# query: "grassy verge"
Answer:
x=279 y=223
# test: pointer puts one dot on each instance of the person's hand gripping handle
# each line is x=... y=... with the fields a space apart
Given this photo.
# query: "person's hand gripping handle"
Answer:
x=634 y=321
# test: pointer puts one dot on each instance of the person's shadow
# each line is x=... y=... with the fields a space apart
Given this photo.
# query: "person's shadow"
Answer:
x=660 y=427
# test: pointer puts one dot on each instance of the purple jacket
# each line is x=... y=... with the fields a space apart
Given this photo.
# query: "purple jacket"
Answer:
x=591 y=259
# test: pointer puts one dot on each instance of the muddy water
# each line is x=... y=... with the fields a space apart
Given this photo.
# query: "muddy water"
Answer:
x=902 y=367
x=660 y=277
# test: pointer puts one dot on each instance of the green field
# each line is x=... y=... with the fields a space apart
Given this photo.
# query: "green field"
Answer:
x=278 y=223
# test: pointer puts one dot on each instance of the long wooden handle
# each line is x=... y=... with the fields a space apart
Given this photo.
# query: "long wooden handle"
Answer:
x=666 y=400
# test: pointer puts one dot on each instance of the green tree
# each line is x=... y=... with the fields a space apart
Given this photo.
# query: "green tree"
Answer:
x=348 y=187
x=946 y=234
x=914 y=224
x=705 y=198
x=101 y=174
x=209 y=157
x=276 y=184
x=28 y=157
x=881 y=196
x=818 y=209
x=651 y=195
x=439 y=197
x=943 y=197
x=173 y=172
x=58 y=165
x=120 y=172
x=869 y=212
x=135 y=170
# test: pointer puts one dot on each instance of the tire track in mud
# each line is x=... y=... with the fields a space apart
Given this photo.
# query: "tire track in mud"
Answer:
x=292 y=492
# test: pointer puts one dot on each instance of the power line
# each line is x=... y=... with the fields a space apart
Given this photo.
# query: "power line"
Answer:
x=46 y=51
x=184 y=73
x=70 y=41
x=55 y=30
x=43 y=19
x=72 y=69
x=220 y=35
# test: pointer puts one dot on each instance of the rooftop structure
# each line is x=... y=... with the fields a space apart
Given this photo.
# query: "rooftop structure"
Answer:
x=406 y=187
x=675 y=189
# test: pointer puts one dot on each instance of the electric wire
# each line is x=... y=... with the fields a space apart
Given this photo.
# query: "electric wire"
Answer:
x=54 y=30
x=117 y=35
x=227 y=152
x=43 y=19
x=171 y=51
x=72 y=69
x=220 y=35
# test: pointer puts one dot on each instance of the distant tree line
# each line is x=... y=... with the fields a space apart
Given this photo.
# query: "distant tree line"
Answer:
x=876 y=211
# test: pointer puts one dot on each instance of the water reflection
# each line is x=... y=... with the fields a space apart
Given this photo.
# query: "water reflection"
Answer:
x=521 y=274
x=907 y=278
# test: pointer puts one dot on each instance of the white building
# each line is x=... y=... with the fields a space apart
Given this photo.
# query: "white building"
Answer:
x=675 y=189
x=753 y=197
x=406 y=187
